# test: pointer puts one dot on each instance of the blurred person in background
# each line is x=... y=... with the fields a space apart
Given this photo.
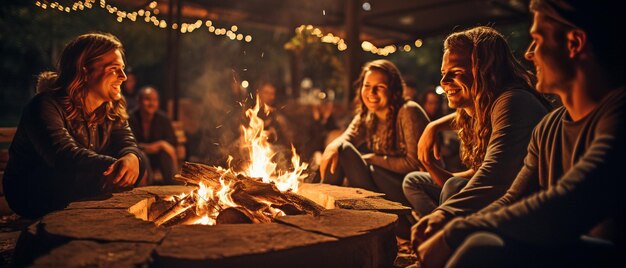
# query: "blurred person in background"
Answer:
x=155 y=135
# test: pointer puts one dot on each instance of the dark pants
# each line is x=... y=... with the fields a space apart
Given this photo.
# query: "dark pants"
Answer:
x=369 y=177
x=485 y=249
x=163 y=162
x=425 y=195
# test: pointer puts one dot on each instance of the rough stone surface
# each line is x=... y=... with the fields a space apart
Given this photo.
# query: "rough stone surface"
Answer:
x=373 y=203
x=194 y=242
x=342 y=223
x=112 y=233
x=100 y=224
x=117 y=200
x=166 y=190
x=326 y=194
x=80 y=253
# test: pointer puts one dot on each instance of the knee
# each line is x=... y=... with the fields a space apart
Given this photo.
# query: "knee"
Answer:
x=416 y=179
x=454 y=185
x=481 y=249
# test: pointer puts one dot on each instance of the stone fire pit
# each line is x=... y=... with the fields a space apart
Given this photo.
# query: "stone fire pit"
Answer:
x=352 y=232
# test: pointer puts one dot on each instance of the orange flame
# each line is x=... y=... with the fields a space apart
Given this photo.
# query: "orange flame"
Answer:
x=210 y=202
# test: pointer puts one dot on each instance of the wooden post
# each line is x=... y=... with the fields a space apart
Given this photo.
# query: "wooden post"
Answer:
x=353 y=52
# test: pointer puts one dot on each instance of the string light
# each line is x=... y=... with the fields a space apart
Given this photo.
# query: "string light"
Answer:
x=149 y=17
x=365 y=45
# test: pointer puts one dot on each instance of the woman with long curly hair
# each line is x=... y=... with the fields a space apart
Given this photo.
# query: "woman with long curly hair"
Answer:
x=497 y=108
x=73 y=140
x=387 y=125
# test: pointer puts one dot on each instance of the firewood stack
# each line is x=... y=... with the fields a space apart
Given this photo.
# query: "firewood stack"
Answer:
x=257 y=202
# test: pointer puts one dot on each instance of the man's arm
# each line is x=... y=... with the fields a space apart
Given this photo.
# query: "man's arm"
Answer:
x=584 y=196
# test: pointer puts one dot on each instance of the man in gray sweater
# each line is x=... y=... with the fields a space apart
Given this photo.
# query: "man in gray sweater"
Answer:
x=565 y=207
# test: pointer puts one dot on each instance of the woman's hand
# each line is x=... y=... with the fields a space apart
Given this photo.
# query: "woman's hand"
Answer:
x=330 y=157
x=124 y=172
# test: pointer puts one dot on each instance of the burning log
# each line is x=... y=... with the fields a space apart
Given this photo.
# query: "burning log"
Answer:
x=253 y=201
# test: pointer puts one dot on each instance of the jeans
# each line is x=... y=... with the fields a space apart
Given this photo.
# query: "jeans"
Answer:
x=425 y=195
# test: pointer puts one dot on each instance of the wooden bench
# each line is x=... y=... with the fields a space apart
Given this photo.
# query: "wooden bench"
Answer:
x=6 y=137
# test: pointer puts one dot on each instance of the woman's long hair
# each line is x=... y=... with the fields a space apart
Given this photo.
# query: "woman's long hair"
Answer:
x=495 y=70
x=388 y=141
x=79 y=55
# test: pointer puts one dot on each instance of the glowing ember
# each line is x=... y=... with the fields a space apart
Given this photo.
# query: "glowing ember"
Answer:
x=209 y=200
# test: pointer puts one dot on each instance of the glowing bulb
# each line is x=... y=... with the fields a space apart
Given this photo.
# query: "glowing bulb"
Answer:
x=245 y=84
x=418 y=43
x=248 y=38
x=239 y=37
x=234 y=28
x=439 y=90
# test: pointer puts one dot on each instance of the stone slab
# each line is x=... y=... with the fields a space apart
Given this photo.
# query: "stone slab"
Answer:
x=373 y=203
x=117 y=200
x=326 y=195
x=342 y=223
x=100 y=224
x=165 y=190
x=197 y=242
x=81 y=253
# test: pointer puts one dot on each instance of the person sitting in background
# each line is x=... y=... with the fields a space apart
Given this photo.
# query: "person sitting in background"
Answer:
x=566 y=207
x=389 y=126
x=275 y=123
x=155 y=135
x=129 y=92
x=73 y=140
x=497 y=108
x=409 y=91
x=432 y=104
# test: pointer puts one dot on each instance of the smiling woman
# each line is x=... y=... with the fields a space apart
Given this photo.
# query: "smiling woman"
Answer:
x=73 y=140
x=388 y=126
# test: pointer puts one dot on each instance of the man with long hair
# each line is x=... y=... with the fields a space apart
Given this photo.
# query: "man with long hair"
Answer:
x=566 y=207
x=497 y=108
x=73 y=140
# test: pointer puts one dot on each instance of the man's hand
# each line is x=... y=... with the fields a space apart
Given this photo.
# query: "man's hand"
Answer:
x=124 y=172
x=434 y=252
x=330 y=157
x=427 y=226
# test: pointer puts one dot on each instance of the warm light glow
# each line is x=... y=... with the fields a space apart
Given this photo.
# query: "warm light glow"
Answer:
x=233 y=28
x=439 y=90
x=418 y=43
x=245 y=84
x=248 y=38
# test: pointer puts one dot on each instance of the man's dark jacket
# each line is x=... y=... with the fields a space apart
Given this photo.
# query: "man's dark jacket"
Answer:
x=52 y=161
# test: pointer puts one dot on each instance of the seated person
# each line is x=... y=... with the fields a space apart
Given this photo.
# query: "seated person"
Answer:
x=566 y=206
x=497 y=108
x=155 y=135
x=73 y=140
x=388 y=125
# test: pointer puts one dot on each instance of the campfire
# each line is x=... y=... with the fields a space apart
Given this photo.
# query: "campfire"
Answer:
x=257 y=193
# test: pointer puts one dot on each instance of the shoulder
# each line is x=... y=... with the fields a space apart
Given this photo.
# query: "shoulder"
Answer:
x=411 y=109
x=551 y=119
x=517 y=96
x=46 y=100
x=521 y=102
